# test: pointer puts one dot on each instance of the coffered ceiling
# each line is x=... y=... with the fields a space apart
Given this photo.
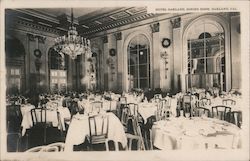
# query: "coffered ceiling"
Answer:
x=87 y=20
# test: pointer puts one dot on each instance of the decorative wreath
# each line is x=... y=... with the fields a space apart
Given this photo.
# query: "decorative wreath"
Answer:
x=166 y=42
x=112 y=52
x=37 y=53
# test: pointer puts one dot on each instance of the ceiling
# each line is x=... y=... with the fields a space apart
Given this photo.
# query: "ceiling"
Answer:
x=87 y=20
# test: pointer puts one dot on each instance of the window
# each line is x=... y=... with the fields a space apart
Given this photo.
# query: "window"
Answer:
x=206 y=58
x=58 y=72
x=13 y=80
x=58 y=81
x=139 y=62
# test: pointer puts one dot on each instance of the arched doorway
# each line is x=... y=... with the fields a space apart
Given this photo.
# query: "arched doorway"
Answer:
x=139 y=73
x=203 y=39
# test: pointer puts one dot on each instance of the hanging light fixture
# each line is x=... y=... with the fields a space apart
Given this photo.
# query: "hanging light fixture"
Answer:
x=72 y=44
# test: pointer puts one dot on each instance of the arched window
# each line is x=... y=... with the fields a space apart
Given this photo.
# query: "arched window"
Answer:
x=205 y=40
x=139 y=62
x=58 y=72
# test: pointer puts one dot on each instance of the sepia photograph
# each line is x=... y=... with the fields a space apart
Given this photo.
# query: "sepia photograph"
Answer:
x=126 y=81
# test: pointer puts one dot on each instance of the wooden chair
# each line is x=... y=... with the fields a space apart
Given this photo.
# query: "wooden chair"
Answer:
x=36 y=149
x=122 y=102
x=228 y=102
x=201 y=111
x=13 y=120
x=41 y=123
x=221 y=112
x=137 y=135
x=125 y=116
x=59 y=145
x=236 y=118
x=96 y=106
x=98 y=128
x=157 y=96
x=186 y=105
x=148 y=132
x=133 y=109
x=204 y=101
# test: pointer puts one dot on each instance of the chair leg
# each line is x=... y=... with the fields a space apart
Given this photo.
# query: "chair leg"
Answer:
x=107 y=145
x=116 y=146
x=130 y=144
x=44 y=138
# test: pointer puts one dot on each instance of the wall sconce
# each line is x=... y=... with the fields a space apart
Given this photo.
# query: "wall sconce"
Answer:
x=164 y=56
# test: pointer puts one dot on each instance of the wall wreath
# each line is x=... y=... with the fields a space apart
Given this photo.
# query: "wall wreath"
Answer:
x=166 y=42
x=112 y=52
x=37 y=53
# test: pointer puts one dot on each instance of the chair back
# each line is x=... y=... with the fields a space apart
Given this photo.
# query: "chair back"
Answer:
x=123 y=100
x=96 y=106
x=59 y=145
x=228 y=102
x=221 y=112
x=204 y=101
x=133 y=109
x=98 y=128
x=157 y=96
x=51 y=149
x=165 y=103
x=36 y=149
x=137 y=131
x=201 y=111
x=38 y=115
x=125 y=115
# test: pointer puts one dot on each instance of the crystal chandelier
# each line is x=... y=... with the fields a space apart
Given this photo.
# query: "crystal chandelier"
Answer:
x=72 y=44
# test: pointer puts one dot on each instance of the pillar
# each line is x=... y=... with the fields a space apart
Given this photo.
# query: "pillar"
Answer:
x=155 y=56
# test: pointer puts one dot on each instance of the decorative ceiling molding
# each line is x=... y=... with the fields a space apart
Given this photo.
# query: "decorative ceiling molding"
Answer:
x=36 y=26
x=85 y=26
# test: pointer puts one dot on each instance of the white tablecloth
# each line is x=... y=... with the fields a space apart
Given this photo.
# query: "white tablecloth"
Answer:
x=147 y=109
x=79 y=129
x=51 y=117
x=195 y=133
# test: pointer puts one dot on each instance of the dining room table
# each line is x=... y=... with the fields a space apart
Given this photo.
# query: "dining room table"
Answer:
x=78 y=130
x=51 y=116
x=195 y=133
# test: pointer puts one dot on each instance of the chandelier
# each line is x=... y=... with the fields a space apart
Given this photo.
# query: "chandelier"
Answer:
x=72 y=44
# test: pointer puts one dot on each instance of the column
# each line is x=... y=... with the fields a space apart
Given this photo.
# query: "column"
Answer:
x=155 y=56
x=105 y=56
x=179 y=77
x=31 y=65
x=120 y=61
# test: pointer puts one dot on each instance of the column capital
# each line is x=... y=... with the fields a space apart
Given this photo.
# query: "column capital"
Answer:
x=155 y=27
x=176 y=22
x=31 y=37
x=105 y=39
x=118 y=35
x=41 y=39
